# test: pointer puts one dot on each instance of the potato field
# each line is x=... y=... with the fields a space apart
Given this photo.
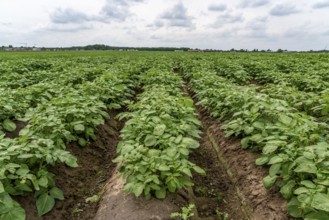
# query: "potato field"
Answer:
x=164 y=135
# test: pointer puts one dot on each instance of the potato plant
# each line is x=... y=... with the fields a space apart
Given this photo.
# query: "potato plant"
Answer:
x=161 y=130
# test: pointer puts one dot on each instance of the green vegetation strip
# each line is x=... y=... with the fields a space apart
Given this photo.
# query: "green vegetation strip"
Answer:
x=306 y=92
x=307 y=73
x=292 y=144
x=161 y=130
x=314 y=104
x=71 y=114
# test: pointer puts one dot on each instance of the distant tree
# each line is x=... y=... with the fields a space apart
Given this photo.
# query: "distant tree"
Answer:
x=10 y=46
x=279 y=51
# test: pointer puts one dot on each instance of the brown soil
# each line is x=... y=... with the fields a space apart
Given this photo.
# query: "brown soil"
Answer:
x=118 y=205
x=78 y=184
x=254 y=82
x=242 y=186
x=214 y=194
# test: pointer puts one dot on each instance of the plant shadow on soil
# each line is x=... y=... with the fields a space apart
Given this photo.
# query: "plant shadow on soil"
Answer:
x=85 y=181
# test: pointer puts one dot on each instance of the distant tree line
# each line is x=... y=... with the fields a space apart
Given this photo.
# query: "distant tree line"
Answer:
x=107 y=47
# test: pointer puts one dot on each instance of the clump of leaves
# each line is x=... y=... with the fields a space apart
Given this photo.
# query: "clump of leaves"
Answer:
x=185 y=214
x=221 y=215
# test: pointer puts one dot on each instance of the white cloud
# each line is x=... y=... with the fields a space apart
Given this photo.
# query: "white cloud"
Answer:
x=221 y=24
x=115 y=10
x=68 y=15
x=254 y=3
x=283 y=10
x=217 y=7
x=320 y=5
x=176 y=16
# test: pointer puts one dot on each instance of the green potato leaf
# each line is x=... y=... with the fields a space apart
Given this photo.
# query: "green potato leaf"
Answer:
x=9 y=125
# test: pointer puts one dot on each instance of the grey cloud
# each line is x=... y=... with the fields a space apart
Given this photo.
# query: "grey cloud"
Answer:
x=181 y=23
x=175 y=17
x=177 y=12
x=227 y=18
x=113 y=10
x=156 y=24
x=68 y=15
x=254 y=3
x=117 y=10
x=319 y=5
x=283 y=10
x=217 y=7
x=159 y=23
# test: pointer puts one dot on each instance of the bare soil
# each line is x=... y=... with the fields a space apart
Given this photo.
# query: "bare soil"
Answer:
x=119 y=205
x=214 y=194
x=255 y=82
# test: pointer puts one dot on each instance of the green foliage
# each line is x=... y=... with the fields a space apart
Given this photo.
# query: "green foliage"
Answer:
x=158 y=136
x=64 y=97
x=10 y=209
x=293 y=145
x=222 y=215
x=60 y=106
x=185 y=214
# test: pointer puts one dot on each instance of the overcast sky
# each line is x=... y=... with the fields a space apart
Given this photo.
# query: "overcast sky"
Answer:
x=239 y=24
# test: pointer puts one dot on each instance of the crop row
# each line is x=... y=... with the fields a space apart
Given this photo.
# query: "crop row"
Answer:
x=292 y=144
x=69 y=116
x=298 y=69
x=312 y=103
x=289 y=88
x=262 y=71
x=161 y=130
x=14 y=102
